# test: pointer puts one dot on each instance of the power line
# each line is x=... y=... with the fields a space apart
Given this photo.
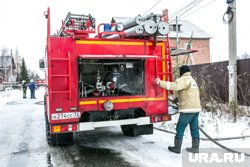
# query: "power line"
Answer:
x=189 y=9
x=179 y=13
x=200 y=8
x=185 y=9
x=152 y=7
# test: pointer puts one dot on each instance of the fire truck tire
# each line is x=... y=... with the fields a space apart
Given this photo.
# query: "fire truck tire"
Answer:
x=137 y=130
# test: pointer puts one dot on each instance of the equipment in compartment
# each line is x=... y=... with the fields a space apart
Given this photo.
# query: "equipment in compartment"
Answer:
x=106 y=77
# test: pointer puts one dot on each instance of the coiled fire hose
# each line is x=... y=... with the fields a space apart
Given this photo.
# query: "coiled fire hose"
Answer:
x=208 y=136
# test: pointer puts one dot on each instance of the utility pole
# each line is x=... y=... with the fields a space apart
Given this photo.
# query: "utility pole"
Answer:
x=177 y=39
x=177 y=32
x=232 y=68
x=230 y=18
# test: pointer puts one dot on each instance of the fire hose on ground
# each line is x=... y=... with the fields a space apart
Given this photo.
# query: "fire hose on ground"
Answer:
x=214 y=140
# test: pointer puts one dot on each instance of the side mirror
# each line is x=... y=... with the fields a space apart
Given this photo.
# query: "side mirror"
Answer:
x=42 y=64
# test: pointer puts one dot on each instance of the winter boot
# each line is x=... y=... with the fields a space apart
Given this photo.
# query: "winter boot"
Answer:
x=177 y=146
x=195 y=146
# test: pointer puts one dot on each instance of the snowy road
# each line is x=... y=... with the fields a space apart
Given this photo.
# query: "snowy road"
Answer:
x=23 y=144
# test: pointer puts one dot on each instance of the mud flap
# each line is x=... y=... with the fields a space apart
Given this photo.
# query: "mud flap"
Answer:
x=137 y=130
x=62 y=138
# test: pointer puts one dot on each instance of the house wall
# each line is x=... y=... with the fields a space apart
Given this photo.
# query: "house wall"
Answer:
x=8 y=73
x=1 y=79
x=1 y=76
x=200 y=57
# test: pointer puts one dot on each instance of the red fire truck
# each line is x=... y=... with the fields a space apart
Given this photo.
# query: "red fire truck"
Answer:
x=108 y=79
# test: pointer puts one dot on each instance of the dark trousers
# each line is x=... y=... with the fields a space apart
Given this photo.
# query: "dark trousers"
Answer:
x=184 y=120
x=32 y=94
x=24 y=93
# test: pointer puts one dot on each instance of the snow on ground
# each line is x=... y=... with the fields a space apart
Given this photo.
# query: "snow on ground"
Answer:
x=9 y=95
x=20 y=132
x=217 y=126
x=28 y=137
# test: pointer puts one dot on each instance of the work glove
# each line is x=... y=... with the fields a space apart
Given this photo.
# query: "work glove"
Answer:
x=157 y=80
x=175 y=101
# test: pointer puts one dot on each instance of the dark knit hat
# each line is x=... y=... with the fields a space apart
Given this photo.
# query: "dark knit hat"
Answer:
x=184 y=69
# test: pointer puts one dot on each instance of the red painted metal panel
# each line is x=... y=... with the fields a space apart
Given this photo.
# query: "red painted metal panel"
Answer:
x=112 y=49
x=61 y=66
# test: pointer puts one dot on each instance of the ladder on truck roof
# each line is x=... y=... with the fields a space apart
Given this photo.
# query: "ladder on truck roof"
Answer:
x=77 y=25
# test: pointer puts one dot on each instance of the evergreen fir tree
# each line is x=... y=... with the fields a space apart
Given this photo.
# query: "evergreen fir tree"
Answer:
x=24 y=75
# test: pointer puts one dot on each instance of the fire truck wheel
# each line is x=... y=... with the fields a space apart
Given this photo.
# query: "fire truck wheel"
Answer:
x=136 y=130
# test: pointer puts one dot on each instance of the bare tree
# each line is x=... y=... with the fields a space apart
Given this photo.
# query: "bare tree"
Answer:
x=34 y=75
x=4 y=53
x=18 y=61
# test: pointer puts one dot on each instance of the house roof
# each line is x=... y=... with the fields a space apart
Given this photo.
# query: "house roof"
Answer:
x=187 y=30
x=5 y=62
x=119 y=19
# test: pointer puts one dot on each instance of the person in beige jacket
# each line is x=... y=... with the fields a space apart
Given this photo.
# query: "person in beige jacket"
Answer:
x=188 y=96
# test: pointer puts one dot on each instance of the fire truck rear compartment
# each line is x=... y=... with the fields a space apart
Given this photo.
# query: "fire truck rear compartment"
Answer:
x=108 y=77
x=113 y=78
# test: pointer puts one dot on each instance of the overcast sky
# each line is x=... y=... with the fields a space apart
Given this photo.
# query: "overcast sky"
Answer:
x=23 y=24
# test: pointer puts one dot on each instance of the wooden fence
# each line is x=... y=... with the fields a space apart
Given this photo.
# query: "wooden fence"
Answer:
x=213 y=81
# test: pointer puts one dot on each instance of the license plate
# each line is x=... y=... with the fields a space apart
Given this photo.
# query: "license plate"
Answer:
x=66 y=115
